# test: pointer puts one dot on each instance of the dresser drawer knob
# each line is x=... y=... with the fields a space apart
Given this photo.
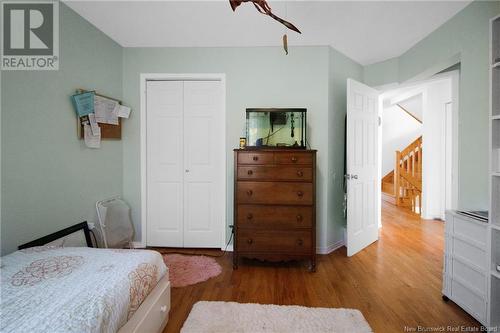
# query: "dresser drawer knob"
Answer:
x=300 y=194
x=256 y=158
x=249 y=216
x=250 y=172
x=300 y=242
x=300 y=173
x=294 y=159
x=249 y=241
x=299 y=218
x=249 y=192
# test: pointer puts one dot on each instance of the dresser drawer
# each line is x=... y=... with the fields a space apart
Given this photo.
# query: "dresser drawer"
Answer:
x=275 y=173
x=275 y=216
x=293 y=158
x=471 y=302
x=256 y=158
x=466 y=252
x=274 y=193
x=274 y=241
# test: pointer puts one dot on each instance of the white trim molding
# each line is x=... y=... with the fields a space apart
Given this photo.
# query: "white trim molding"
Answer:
x=144 y=77
x=330 y=248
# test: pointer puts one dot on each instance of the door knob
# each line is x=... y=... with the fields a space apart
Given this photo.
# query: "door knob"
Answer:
x=299 y=218
x=300 y=173
x=256 y=158
x=294 y=159
x=249 y=216
x=250 y=172
x=249 y=192
x=300 y=194
x=249 y=241
x=300 y=242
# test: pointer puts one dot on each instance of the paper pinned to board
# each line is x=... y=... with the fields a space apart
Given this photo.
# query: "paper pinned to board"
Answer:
x=83 y=103
x=96 y=130
x=123 y=111
x=105 y=110
x=92 y=140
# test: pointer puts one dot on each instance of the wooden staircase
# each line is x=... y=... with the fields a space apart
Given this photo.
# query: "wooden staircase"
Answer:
x=403 y=185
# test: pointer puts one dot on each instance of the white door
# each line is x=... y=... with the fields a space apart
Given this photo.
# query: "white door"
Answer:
x=363 y=185
x=165 y=172
x=203 y=164
x=185 y=159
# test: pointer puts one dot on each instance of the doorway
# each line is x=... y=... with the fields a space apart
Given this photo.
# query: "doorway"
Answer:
x=419 y=144
x=424 y=169
x=183 y=160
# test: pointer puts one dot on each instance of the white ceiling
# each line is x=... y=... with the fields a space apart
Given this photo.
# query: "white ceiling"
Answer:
x=365 y=31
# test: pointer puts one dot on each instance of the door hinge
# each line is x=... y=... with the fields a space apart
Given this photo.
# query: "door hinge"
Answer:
x=379 y=121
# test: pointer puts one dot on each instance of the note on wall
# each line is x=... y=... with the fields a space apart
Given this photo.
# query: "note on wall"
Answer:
x=91 y=140
x=123 y=111
x=83 y=103
x=93 y=124
x=105 y=110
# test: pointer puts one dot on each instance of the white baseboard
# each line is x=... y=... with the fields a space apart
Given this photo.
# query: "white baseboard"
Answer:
x=330 y=248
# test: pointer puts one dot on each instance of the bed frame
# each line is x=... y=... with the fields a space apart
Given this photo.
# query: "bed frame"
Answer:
x=152 y=314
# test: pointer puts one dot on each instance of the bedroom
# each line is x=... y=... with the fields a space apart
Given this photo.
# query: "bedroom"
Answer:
x=51 y=180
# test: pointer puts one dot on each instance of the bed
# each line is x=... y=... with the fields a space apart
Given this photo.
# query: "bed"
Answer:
x=51 y=288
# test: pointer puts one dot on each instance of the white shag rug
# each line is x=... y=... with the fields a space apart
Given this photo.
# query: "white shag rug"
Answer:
x=221 y=317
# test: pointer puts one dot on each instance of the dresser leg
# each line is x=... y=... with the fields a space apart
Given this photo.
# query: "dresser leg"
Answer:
x=312 y=268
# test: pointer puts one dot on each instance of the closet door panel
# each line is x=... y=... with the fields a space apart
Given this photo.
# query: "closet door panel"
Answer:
x=204 y=135
x=165 y=163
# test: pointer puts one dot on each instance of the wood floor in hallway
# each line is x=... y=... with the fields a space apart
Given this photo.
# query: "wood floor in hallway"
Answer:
x=395 y=282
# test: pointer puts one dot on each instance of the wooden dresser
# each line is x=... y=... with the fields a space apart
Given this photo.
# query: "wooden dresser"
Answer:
x=275 y=205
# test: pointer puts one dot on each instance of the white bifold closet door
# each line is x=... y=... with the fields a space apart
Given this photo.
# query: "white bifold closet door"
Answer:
x=185 y=159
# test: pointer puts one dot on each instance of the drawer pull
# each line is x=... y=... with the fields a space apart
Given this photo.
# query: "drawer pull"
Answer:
x=299 y=218
x=250 y=172
x=249 y=216
x=300 y=173
x=249 y=241
x=256 y=158
x=300 y=194
x=300 y=242
x=294 y=159
x=249 y=192
x=163 y=308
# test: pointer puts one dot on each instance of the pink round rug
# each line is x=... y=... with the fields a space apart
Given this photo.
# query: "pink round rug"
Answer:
x=187 y=270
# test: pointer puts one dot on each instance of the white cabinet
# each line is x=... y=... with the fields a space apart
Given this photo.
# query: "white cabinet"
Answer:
x=466 y=266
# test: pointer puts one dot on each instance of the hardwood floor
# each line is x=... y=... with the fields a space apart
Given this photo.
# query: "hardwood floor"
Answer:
x=395 y=282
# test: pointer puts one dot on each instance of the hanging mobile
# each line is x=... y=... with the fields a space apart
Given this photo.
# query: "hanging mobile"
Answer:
x=285 y=43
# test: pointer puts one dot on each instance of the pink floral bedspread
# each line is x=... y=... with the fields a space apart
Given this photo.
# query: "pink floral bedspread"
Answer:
x=55 y=289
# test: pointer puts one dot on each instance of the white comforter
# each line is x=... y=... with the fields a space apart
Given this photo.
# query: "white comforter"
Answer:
x=54 y=289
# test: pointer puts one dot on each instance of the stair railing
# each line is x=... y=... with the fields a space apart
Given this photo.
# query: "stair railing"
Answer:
x=408 y=176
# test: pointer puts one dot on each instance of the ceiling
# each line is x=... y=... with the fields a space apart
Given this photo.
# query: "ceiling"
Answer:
x=365 y=31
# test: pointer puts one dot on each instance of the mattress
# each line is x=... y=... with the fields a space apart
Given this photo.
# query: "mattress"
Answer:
x=56 y=289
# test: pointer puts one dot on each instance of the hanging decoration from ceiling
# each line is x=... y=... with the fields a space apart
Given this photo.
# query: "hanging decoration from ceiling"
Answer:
x=263 y=7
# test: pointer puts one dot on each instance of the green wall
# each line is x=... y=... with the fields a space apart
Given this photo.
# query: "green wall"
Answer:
x=464 y=38
x=255 y=77
x=49 y=179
